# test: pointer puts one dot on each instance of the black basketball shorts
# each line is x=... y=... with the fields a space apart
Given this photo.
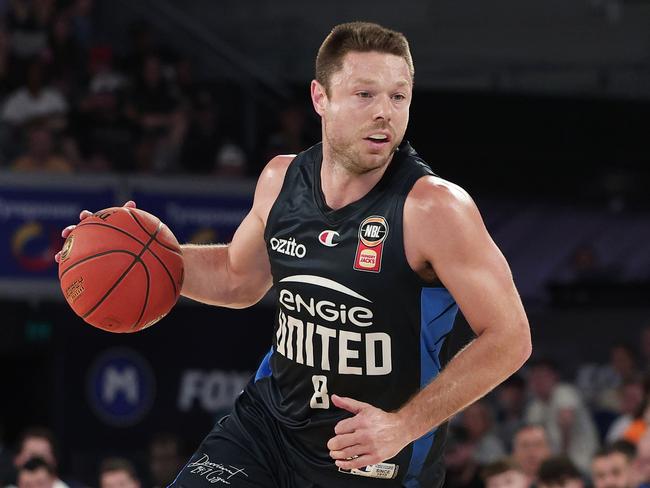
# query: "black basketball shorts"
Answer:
x=247 y=449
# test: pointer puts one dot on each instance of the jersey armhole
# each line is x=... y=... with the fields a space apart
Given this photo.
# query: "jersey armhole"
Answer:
x=289 y=174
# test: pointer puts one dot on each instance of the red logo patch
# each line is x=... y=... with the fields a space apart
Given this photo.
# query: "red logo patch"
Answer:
x=372 y=234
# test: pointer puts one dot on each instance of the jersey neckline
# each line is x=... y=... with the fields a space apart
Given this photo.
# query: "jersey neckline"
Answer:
x=337 y=216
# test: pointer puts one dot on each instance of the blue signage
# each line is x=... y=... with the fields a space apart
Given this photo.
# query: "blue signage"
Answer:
x=121 y=387
x=31 y=220
x=199 y=219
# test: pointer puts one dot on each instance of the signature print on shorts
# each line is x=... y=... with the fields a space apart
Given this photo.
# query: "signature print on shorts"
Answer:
x=215 y=472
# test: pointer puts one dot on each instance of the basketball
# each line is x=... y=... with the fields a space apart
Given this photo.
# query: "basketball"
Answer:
x=121 y=269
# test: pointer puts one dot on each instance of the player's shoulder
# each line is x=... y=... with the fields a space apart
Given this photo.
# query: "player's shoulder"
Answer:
x=270 y=182
x=280 y=162
x=272 y=175
x=432 y=195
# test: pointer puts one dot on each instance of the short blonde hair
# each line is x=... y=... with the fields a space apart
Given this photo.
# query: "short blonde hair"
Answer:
x=359 y=37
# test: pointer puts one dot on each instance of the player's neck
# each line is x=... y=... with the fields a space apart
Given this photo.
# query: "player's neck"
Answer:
x=342 y=186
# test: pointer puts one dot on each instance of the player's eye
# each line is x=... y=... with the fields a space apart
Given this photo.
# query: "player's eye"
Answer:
x=364 y=94
x=399 y=97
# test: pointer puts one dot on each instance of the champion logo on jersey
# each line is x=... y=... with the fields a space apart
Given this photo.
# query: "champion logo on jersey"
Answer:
x=327 y=238
x=372 y=234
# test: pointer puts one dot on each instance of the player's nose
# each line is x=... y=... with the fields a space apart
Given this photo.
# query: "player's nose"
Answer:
x=383 y=108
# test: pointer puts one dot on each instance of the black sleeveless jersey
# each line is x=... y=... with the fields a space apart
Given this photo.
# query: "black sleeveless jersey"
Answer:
x=353 y=319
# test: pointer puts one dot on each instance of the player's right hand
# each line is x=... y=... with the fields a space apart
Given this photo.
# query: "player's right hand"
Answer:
x=84 y=214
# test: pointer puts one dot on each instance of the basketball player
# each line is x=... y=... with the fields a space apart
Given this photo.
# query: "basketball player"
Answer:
x=371 y=255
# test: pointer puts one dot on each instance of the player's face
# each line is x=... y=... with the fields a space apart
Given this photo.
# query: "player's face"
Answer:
x=612 y=471
x=366 y=111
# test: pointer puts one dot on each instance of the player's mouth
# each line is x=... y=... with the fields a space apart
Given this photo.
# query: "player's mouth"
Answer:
x=378 y=139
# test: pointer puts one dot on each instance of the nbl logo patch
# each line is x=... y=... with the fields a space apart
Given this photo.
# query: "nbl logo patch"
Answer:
x=372 y=234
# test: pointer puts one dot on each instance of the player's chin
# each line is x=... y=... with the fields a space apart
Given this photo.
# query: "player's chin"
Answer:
x=376 y=159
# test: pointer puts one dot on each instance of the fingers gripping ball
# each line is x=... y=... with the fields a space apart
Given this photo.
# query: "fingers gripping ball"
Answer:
x=121 y=270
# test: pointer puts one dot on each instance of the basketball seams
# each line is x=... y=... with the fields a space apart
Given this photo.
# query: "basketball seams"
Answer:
x=128 y=210
x=146 y=295
x=99 y=254
x=101 y=224
x=169 y=274
x=169 y=248
x=136 y=259
x=110 y=290
x=160 y=224
x=160 y=261
x=133 y=216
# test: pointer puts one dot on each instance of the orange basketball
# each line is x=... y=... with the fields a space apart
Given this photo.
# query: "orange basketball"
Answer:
x=121 y=269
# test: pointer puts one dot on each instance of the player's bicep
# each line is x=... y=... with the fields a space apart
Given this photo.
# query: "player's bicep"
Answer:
x=249 y=268
x=480 y=281
x=467 y=261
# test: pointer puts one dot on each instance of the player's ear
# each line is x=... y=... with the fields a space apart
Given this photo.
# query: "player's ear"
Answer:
x=318 y=97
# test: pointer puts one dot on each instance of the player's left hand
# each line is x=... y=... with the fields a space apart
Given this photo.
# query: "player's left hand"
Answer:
x=369 y=437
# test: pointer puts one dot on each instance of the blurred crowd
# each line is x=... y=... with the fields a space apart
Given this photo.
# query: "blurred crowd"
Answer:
x=536 y=429
x=71 y=103
x=34 y=464
x=539 y=429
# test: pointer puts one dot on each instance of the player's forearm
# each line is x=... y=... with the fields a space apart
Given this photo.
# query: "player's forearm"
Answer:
x=208 y=279
x=473 y=372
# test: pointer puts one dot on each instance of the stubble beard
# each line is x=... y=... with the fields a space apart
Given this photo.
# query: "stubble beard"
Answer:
x=343 y=154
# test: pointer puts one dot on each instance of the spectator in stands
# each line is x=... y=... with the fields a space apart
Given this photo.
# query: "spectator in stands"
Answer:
x=38 y=442
x=105 y=133
x=586 y=266
x=477 y=421
x=231 y=162
x=35 y=100
x=28 y=25
x=623 y=361
x=82 y=22
x=118 y=473
x=639 y=425
x=155 y=108
x=7 y=75
x=142 y=43
x=504 y=473
x=559 y=472
x=644 y=346
x=290 y=136
x=104 y=78
x=40 y=154
x=511 y=404
x=36 y=473
x=599 y=384
x=166 y=458
x=612 y=466
x=204 y=135
x=631 y=395
x=642 y=461
x=561 y=410
x=65 y=57
x=462 y=469
x=530 y=448
x=188 y=87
